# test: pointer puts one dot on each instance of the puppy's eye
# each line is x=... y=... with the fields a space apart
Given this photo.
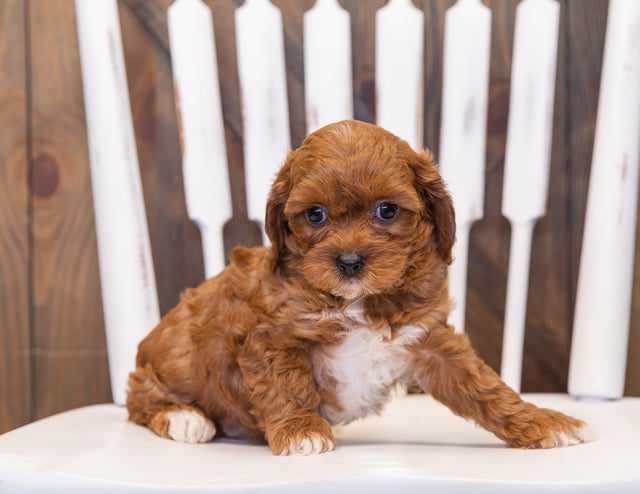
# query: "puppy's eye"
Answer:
x=386 y=211
x=316 y=215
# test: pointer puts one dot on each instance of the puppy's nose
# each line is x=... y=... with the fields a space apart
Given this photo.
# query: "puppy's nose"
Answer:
x=350 y=264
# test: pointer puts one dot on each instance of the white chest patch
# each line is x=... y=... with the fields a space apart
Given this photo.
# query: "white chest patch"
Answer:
x=364 y=367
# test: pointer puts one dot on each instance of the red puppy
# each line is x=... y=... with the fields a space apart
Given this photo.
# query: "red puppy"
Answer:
x=349 y=300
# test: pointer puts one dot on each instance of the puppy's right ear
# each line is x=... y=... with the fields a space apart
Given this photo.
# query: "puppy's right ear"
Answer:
x=439 y=206
x=275 y=223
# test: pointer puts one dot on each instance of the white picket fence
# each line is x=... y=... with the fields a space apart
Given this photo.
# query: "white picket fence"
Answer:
x=604 y=292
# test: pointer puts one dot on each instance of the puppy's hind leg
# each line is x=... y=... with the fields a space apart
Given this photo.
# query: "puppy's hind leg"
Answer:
x=152 y=404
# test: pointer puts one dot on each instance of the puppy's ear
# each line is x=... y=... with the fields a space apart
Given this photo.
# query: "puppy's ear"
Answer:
x=439 y=206
x=275 y=223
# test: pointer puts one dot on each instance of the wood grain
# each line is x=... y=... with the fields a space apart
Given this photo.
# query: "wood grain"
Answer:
x=292 y=11
x=587 y=46
x=70 y=361
x=583 y=48
x=489 y=242
x=15 y=351
x=175 y=240
x=549 y=308
x=363 y=22
x=434 y=13
x=240 y=230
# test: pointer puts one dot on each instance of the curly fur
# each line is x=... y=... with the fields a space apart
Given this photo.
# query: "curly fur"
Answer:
x=282 y=344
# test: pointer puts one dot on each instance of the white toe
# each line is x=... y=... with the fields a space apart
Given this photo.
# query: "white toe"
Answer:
x=578 y=435
x=190 y=427
x=310 y=446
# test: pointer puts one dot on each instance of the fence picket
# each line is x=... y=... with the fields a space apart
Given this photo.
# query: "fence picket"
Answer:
x=465 y=88
x=327 y=64
x=528 y=153
x=605 y=282
x=261 y=70
x=204 y=154
x=127 y=277
x=399 y=66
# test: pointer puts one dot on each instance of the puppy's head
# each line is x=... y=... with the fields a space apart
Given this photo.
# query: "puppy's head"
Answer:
x=354 y=208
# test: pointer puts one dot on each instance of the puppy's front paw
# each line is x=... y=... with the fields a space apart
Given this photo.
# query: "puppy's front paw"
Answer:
x=309 y=444
x=302 y=437
x=544 y=428
x=189 y=426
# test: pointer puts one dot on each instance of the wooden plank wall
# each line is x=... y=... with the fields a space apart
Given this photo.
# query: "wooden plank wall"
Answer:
x=52 y=346
x=15 y=306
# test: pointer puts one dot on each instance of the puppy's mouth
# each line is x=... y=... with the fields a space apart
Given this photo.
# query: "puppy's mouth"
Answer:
x=352 y=290
x=351 y=268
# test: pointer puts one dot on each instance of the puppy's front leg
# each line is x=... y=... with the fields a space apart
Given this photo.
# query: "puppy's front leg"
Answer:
x=284 y=398
x=447 y=367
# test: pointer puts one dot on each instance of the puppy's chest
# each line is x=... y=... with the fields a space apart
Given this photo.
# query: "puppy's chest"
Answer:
x=356 y=376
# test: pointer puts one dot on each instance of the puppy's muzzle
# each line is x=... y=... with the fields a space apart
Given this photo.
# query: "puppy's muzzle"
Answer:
x=350 y=265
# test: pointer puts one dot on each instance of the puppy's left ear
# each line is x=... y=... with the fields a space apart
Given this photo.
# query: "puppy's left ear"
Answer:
x=275 y=223
x=439 y=206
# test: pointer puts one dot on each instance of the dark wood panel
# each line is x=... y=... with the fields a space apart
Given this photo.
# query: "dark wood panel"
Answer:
x=239 y=230
x=433 y=47
x=15 y=370
x=292 y=12
x=70 y=358
x=584 y=47
x=632 y=387
x=225 y=34
x=549 y=308
x=363 y=19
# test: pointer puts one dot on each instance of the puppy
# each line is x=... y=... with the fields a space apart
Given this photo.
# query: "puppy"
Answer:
x=315 y=330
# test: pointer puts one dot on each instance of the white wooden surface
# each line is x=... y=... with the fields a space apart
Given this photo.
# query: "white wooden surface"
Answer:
x=127 y=278
x=526 y=173
x=465 y=89
x=260 y=47
x=398 y=72
x=204 y=153
x=327 y=64
x=416 y=446
x=603 y=300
